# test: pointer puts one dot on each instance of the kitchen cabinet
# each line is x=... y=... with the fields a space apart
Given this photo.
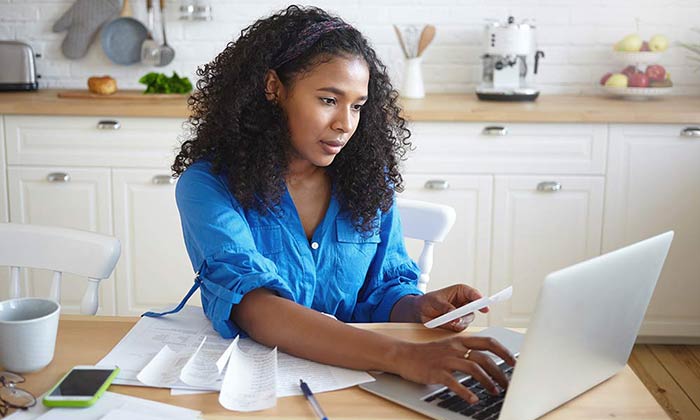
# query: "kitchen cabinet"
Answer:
x=541 y=224
x=154 y=270
x=70 y=197
x=653 y=185
x=619 y=184
x=537 y=208
x=464 y=256
x=108 y=175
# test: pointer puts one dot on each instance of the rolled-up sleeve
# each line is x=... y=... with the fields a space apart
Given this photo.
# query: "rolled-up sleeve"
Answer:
x=391 y=275
x=221 y=247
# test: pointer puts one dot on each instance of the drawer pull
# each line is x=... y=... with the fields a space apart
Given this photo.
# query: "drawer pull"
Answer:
x=494 y=130
x=58 y=177
x=163 y=180
x=108 y=125
x=437 y=184
x=549 y=186
x=690 y=132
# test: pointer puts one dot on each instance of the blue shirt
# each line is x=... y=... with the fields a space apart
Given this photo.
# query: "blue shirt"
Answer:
x=355 y=277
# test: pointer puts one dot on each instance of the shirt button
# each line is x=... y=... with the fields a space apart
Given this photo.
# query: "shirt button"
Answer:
x=314 y=245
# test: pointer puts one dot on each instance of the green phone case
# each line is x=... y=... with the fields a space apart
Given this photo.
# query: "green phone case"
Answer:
x=85 y=403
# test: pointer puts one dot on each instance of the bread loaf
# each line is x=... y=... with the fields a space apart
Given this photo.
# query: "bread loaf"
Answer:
x=104 y=85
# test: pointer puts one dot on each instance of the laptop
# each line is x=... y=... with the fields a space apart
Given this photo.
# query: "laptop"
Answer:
x=582 y=331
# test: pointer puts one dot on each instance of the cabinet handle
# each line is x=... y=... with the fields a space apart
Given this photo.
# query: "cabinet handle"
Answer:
x=494 y=130
x=163 y=180
x=108 y=125
x=549 y=186
x=58 y=177
x=690 y=132
x=437 y=184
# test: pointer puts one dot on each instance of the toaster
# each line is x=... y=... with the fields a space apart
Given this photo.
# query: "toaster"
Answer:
x=17 y=69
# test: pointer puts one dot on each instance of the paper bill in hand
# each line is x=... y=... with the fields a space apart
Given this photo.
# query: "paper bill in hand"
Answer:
x=470 y=307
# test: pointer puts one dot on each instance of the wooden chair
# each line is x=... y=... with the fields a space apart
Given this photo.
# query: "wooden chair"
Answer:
x=428 y=222
x=60 y=250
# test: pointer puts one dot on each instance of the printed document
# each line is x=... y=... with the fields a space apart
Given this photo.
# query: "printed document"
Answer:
x=183 y=352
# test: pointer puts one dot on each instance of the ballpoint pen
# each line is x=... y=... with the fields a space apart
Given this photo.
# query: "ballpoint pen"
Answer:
x=312 y=400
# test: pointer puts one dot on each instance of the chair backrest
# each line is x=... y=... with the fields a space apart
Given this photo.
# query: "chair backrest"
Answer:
x=428 y=222
x=60 y=250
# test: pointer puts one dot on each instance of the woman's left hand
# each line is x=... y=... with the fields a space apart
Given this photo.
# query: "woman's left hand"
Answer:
x=438 y=302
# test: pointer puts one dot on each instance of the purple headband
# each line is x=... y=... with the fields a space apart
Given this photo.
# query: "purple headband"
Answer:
x=307 y=38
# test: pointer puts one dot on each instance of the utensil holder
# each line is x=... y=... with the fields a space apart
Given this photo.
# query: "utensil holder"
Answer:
x=413 y=79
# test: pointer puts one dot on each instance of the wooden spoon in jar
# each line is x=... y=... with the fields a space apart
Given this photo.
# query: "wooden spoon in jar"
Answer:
x=426 y=37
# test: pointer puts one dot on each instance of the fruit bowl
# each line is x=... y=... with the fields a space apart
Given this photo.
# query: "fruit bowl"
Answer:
x=637 y=92
x=638 y=57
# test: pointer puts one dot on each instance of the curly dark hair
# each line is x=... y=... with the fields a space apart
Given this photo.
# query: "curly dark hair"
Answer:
x=246 y=137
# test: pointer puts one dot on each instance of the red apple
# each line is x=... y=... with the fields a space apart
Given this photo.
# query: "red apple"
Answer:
x=656 y=72
x=629 y=70
x=638 y=80
x=605 y=78
x=645 y=46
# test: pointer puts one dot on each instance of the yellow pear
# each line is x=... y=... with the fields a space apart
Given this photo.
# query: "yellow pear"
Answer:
x=658 y=43
x=630 y=43
x=617 y=80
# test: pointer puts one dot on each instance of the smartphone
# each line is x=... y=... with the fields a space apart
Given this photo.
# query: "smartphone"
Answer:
x=81 y=387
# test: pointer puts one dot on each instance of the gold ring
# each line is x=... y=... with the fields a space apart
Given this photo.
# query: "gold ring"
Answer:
x=466 y=355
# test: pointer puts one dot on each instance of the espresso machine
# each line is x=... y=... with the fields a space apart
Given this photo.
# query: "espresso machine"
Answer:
x=509 y=55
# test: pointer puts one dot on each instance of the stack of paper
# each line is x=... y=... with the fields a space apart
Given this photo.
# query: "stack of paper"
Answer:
x=183 y=352
x=110 y=406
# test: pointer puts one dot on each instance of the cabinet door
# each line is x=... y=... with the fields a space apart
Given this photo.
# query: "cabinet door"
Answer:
x=464 y=256
x=654 y=186
x=68 y=197
x=538 y=229
x=154 y=270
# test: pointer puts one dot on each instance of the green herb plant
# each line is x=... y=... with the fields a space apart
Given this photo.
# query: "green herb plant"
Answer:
x=160 y=83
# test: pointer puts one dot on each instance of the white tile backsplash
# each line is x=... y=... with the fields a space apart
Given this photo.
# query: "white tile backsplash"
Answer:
x=576 y=36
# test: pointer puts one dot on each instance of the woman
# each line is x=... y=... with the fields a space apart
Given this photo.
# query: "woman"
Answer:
x=286 y=196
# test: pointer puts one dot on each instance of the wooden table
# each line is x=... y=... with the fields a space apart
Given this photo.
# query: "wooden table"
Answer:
x=84 y=340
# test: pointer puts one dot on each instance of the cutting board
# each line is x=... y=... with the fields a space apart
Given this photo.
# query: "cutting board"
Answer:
x=121 y=94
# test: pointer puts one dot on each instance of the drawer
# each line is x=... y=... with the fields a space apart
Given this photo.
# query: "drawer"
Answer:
x=507 y=148
x=92 y=141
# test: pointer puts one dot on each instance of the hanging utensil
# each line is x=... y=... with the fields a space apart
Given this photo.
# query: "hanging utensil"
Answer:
x=167 y=53
x=150 y=51
x=426 y=37
x=122 y=38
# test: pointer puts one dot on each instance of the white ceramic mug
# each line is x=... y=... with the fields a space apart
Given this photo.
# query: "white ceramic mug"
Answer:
x=413 y=79
x=28 y=328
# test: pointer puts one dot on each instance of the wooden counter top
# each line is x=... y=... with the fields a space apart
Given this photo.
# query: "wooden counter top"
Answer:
x=435 y=107
x=622 y=397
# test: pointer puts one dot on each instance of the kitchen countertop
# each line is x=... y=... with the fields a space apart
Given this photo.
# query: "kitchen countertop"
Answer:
x=435 y=107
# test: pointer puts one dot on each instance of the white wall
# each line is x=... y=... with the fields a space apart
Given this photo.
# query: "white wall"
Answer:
x=576 y=36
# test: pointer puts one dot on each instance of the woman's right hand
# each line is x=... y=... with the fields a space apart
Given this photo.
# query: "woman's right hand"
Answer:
x=435 y=362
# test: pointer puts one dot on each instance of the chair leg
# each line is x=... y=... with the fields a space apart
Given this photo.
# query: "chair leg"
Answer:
x=15 y=290
x=55 y=293
x=425 y=263
x=90 y=301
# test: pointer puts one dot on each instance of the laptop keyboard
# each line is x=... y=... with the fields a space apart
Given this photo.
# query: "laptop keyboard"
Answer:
x=488 y=407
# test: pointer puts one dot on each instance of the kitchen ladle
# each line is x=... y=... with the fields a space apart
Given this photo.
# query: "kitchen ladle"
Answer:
x=167 y=53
